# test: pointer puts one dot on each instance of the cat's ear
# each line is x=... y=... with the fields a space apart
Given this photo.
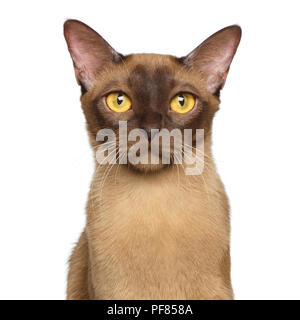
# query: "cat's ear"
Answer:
x=89 y=51
x=213 y=57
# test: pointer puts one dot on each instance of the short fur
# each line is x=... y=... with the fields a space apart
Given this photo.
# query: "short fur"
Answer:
x=151 y=233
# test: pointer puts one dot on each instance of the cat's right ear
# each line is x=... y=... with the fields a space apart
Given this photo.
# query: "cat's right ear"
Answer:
x=89 y=51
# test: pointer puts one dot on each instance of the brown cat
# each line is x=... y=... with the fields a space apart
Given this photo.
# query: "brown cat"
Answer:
x=152 y=232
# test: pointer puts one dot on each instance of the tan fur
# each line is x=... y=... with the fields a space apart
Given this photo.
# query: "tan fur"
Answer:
x=158 y=235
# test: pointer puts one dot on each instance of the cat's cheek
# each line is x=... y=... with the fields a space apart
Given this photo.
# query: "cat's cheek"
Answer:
x=112 y=116
x=181 y=120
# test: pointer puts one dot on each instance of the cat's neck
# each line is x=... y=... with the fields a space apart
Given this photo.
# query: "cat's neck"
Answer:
x=117 y=183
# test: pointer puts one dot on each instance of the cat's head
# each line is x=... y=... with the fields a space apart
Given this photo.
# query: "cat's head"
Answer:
x=149 y=91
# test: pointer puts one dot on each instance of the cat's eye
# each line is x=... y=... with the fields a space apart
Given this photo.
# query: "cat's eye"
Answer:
x=182 y=103
x=118 y=102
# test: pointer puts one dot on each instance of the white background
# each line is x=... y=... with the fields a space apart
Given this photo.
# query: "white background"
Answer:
x=46 y=164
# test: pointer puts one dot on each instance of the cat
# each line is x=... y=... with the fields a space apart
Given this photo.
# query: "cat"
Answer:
x=152 y=232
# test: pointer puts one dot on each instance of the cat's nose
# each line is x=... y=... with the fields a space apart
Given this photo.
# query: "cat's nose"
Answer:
x=151 y=121
x=147 y=130
x=150 y=134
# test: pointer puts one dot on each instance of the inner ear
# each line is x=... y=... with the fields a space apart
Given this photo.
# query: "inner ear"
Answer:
x=89 y=52
x=212 y=58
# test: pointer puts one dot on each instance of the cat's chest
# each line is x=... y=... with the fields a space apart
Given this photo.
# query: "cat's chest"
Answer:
x=152 y=234
x=152 y=206
x=152 y=217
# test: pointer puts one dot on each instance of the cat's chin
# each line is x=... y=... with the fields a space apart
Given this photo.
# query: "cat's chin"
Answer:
x=148 y=168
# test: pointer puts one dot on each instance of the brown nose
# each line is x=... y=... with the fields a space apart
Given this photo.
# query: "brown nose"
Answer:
x=147 y=130
x=151 y=120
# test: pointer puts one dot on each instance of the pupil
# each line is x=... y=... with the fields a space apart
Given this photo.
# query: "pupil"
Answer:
x=181 y=100
x=120 y=99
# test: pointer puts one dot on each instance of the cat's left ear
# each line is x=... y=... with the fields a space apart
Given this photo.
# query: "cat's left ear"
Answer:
x=213 y=57
x=89 y=51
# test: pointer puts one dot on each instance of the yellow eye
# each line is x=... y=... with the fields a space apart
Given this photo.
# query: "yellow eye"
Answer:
x=182 y=103
x=118 y=102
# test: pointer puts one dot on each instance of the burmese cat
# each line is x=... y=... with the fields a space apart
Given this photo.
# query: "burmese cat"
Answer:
x=152 y=232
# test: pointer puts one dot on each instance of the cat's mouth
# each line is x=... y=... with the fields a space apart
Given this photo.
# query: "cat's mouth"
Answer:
x=149 y=167
x=150 y=157
x=151 y=162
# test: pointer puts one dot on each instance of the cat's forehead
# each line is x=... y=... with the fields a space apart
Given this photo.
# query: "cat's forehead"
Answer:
x=151 y=60
x=155 y=68
x=148 y=73
x=149 y=69
x=146 y=81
